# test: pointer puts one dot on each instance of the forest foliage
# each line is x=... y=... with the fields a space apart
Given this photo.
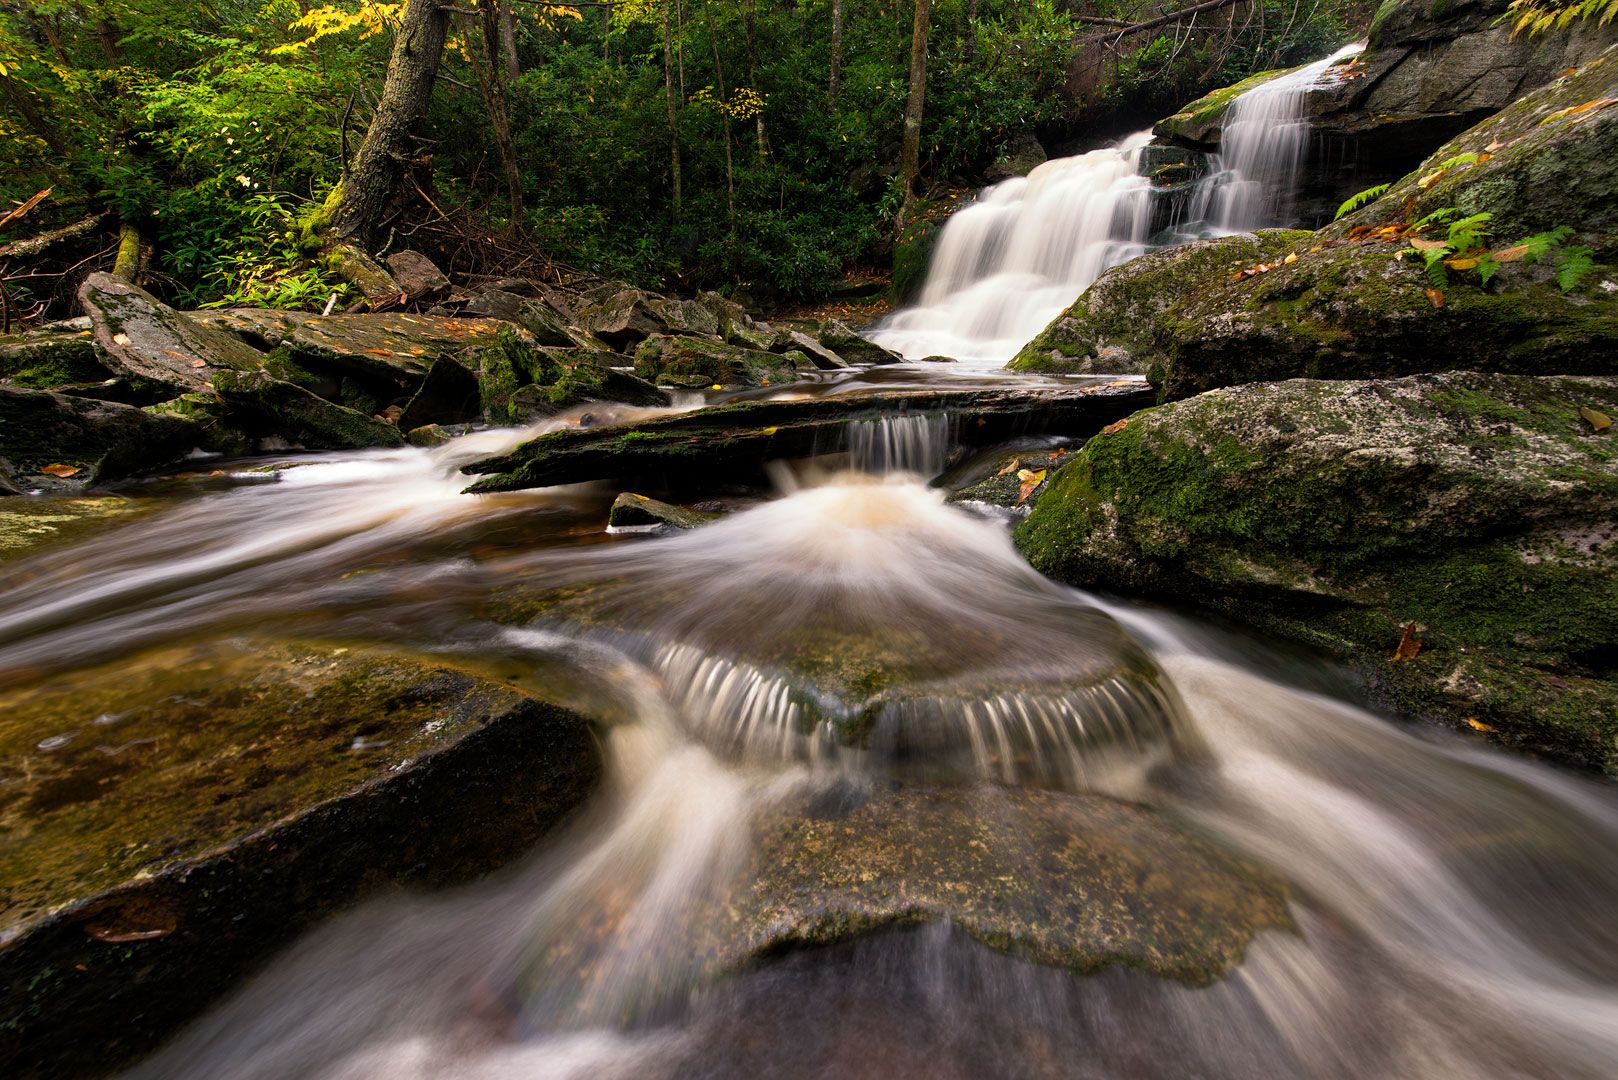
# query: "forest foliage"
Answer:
x=212 y=125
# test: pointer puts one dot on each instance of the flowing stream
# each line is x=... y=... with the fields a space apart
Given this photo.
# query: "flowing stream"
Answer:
x=1007 y=264
x=848 y=648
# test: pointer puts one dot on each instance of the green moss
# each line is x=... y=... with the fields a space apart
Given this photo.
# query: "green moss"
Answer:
x=45 y=361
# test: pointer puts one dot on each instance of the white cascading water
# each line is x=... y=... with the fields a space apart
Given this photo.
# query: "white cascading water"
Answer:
x=1008 y=264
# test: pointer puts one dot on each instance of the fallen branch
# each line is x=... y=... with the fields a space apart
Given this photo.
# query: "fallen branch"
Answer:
x=20 y=211
x=35 y=244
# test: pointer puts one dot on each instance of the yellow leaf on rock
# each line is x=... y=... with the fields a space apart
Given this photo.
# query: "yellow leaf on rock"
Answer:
x=1409 y=644
x=1478 y=724
x=1031 y=479
x=1014 y=463
x=1461 y=264
x=1435 y=297
x=1430 y=179
x=1598 y=421
x=61 y=470
x=1510 y=254
x=1292 y=258
x=120 y=339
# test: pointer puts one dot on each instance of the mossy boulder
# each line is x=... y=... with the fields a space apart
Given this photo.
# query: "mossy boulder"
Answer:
x=184 y=814
x=138 y=336
x=448 y=394
x=1198 y=126
x=521 y=383
x=696 y=363
x=848 y=344
x=47 y=359
x=1481 y=508
x=270 y=406
x=52 y=442
x=1073 y=881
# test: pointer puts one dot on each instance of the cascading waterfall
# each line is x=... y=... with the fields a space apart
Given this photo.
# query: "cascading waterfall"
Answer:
x=1009 y=263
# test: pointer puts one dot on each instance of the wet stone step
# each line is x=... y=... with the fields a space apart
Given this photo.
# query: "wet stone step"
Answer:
x=736 y=438
x=170 y=821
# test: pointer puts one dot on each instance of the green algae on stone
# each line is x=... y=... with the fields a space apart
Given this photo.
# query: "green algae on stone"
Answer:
x=243 y=792
x=695 y=363
x=630 y=510
x=1198 y=124
x=32 y=523
x=1480 y=507
x=1075 y=881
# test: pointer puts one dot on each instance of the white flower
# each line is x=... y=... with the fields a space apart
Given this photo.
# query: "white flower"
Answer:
x=246 y=181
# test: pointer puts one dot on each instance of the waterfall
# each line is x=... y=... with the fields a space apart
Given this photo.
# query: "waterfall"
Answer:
x=1012 y=261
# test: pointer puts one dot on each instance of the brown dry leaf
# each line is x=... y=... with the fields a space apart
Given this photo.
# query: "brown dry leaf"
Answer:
x=1591 y=107
x=1409 y=644
x=1014 y=463
x=379 y=352
x=1427 y=245
x=1430 y=179
x=1485 y=157
x=1493 y=146
x=61 y=470
x=1115 y=426
x=1510 y=254
x=1598 y=421
x=1031 y=479
x=1478 y=724
x=1461 y=264
x=136 y=919
x=199 y=363
x=1435 y=297
x=120 y=339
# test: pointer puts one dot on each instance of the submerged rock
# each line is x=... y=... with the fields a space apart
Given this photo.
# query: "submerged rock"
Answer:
x=172 y=820
x=1479 y=511
x=1074 y=881
x=631 y=511
x=848 y=345
x=28 y=524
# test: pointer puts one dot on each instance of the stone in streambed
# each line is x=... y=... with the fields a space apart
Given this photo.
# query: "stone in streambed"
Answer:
x=57 y=443
x=847 y=345
x=695 y=363
x=1075 y=881
x=797 y=341
x=427 y=436
x=520 y=383
x=32 y=523
x=637 y=511
x=274 y=407
x=1481 y=508
x=448 y=395
x=140 y=337
x=184 y=814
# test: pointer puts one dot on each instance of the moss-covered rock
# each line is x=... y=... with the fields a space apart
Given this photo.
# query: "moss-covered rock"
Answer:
x=52 y=442
x=448 y=395
x=45 y=360
x=1482 y=508
x=1199 y=124
x=138 y=336
x=30 y=524
x=697 y=363
x=521 y=383
x=1074 y=881
x=173 y=819
x=270 y=406
x=632 y=511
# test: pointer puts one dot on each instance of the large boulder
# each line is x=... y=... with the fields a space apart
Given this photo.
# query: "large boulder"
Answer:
x=417 y=276
x=271 y=406
x=186 y=814
x=520 y=382
x=696 y=363
x=139 y=336
x=1475 y=513
x=53 y=442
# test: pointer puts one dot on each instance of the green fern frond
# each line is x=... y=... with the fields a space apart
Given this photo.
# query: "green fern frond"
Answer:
x=1365 y=197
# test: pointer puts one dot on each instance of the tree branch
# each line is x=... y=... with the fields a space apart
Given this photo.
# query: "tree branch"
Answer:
x=1153 y=24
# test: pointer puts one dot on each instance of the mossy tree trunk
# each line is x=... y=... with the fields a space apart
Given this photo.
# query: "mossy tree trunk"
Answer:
x=668 y=89
x=910 y=151
x=379 y=169
x=492 y=78
x=836 y=50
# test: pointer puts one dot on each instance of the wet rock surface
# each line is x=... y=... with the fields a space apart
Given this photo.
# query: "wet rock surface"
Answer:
x=173 y=819
x=1479 y=510
x=40 y=521
x=1074 y=881
x=52 y=442
x=740 y=437
x=632 y=511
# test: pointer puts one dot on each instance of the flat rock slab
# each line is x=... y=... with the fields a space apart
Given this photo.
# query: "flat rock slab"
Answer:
x=1074 y=881
x=139 y=336
x=173 y=819
x=396 y=345
x=740 y=436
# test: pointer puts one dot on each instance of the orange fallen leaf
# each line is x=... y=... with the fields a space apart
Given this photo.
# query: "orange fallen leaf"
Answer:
x=61 y=470
x=199 y=363
x=1409 y=644
x=1461 y=264
x=1493 y=146
x=1478 y=724
x=1427 y=245
x=1598 y=421
x=1014 y=463
x=379 y=352
x=1431 y=178
x=1115 y=426
x=1591 y=107
x=1435 y=297
x=1510 y=254
x=1031 y=479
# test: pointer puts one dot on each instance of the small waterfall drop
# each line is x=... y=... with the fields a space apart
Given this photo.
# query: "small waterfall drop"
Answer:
x=1008 y=264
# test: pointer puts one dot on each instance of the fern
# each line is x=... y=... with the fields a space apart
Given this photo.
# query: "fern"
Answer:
x=1537 y=16
x=1468 y=233
x=1573 y=265
x=1364 y=198
x=1541 y=244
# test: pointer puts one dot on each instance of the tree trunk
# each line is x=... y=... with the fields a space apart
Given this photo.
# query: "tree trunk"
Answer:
x=668 y=88
x=910 y=153
x=508 y=40
x=494 y=91
x=971 y=31
x=108 y=33
x=18 y=96
x=379 y=168
x=836 y=48
x=751 y=24
x=724 y=115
